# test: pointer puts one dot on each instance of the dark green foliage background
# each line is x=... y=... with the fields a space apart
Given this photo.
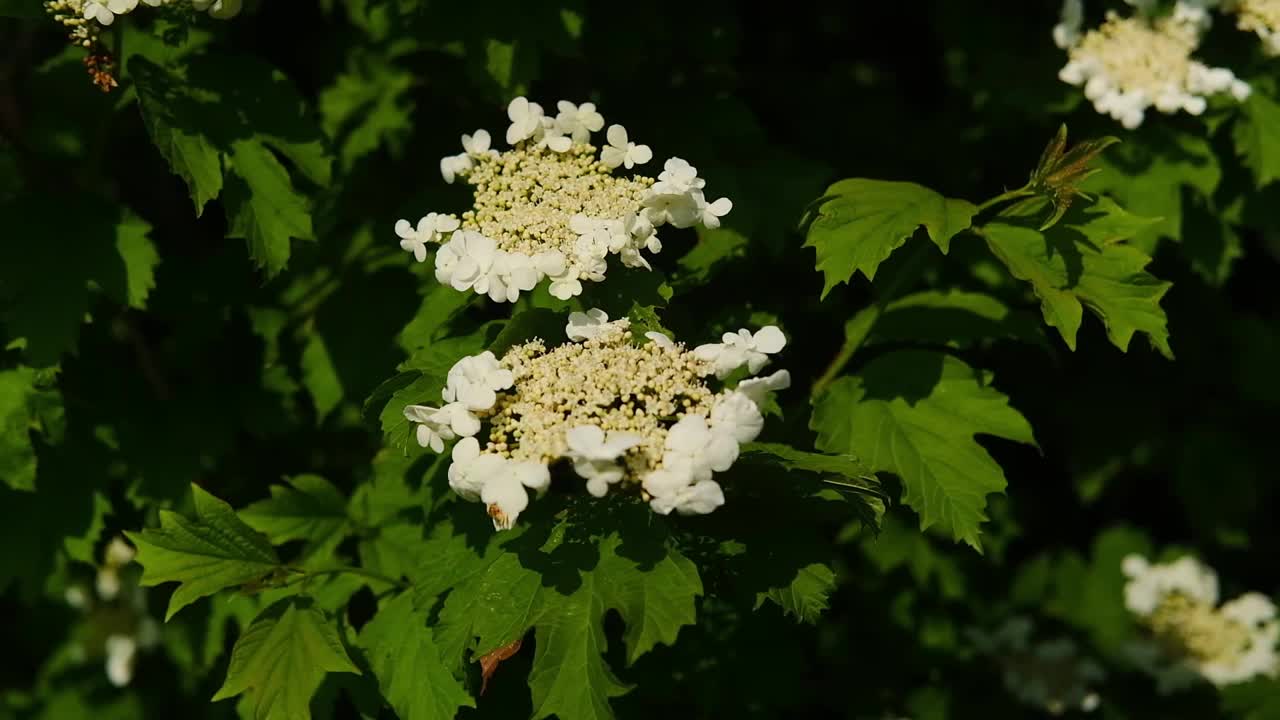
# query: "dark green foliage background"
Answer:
x=246 y=363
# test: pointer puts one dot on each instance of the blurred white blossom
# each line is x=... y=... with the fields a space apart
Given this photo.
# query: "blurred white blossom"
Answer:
x=1189 y=635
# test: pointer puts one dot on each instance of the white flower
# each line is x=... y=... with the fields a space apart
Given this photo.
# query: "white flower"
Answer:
x=474 y=380
x=584 y=326
x=593 y=236
x=533 y=475
x=665 y=482
x=700 y=498
x=76 y=597
x=565 y=284
x=1067 y=31
x=465 y=261
x=579 y=121
x=471 y=470
x=506 y=498
x=550 y=264
x=662 y=340
x=107 y=583
x=119 y=553
x=436 y=425
x=553 y=137
x=594 y=454
x=506 y=491
x=692 y=448
x=526 y=120
x=452 y=166
x=122 y=650
x=477 y=145
x=678 y=177
x=1257 y=614
x=98 y=11
x=757 y=388
x=737 y=415
x=742 y=348
x=620 y=151
x=431 y=229
x=1149 y=584
x=511 y=274
x=712 y=212
x=591 y=268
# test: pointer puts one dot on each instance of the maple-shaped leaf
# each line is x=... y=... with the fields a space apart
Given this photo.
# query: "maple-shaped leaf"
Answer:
x=310 y=508
x=1080 y=263
x=915 y=414
x=846 y=473
x=279 y=661
x=805 y=597
x=1152 y=173
x=858 y=223
x=406 y=661
x=1257 y=134
x=498 y=600
x=206 y=553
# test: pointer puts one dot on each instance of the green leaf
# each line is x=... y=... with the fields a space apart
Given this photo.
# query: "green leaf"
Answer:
x=1077 y=263
x=805 y=597
x=17 y=457
x=368 y=106
x=407 y=663
x=527 y=325
x=1258 y=699
x=1257 y=136
x=440 y=304
x=206 y=553
x=955 y=318
x=858 y=223
x=312 y=509
x=715 y=249
x=500 y=599
x=45 y=290
x=140 y=260
x=320 y=377
x=915 y=414
x=170 y=114
x=420 y=383
x=846 y=472
x=263 y=208
x=1148 y=174
x=280 y=660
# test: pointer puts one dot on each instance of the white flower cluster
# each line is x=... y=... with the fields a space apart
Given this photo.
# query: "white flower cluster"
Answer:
x=1261 y=17
x=1050 y=675
x=550 y=209
x=613 y=410
x=105 y=11
x=1131 y=64
x=119 y=605
x=1191 y=635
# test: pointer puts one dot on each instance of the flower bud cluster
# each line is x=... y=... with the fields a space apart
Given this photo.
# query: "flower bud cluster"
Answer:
x=633 y=415
x=1050 y=675
x=117 y=608
x=1131 y=64
x=1261 y=17
x=1189 y=635
x=549 y=208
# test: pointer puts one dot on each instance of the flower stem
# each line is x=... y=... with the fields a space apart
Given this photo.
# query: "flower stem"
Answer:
x=858 y=328
x=1023 y=191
